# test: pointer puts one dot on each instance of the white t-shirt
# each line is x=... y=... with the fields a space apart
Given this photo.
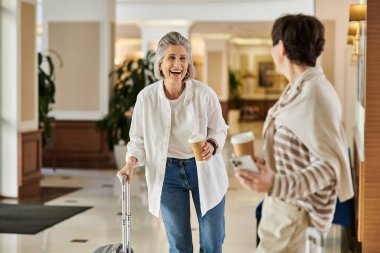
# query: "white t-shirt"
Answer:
x=151 y=130
x=181 y=129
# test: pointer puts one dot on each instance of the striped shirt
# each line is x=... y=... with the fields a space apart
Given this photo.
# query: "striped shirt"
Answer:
x=303 y=179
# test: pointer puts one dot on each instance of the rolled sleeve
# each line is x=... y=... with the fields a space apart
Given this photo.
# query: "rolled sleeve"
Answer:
x=216 y=127
x=135 y=146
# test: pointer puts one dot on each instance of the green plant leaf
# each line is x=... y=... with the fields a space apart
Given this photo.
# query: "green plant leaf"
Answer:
x=234 y=81
x=128 y=79
x=46 y=92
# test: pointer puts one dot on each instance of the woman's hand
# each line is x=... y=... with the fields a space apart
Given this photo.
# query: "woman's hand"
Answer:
x=258 y=160
x=128 y=168
x=208 y=149
x=260 y=182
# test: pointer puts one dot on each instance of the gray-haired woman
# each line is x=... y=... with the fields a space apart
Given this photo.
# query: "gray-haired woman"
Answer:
x=165 y=115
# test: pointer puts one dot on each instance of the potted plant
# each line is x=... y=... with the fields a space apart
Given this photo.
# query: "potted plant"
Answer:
x=128 y=79
x=46 y=92
x=234 y=101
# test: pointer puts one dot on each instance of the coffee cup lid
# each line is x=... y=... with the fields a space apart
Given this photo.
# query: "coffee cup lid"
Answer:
x=242 y=138
x=196 y=138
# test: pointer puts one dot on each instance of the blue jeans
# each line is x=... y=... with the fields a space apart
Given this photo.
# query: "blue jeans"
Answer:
x=181 y=178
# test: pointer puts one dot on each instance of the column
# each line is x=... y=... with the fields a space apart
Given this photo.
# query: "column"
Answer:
x=19 y=166
x=215 y=67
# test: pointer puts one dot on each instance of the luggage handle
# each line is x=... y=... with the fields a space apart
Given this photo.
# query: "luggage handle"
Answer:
x=314 y=234
x=126 y=214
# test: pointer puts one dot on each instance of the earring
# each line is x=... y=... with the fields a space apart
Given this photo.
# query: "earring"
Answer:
x=187 y=74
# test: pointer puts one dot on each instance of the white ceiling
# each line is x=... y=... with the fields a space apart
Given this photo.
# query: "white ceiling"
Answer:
x=188 y=1
x=234 y=29
x=209 y=10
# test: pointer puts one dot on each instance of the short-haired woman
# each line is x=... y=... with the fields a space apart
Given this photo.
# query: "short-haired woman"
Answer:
x=165 y=115
x=306 y=165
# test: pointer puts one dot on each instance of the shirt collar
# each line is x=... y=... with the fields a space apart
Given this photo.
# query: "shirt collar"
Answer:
x=189 y=91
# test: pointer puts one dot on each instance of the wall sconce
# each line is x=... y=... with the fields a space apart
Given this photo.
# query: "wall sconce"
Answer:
x=353 y=27
x=358 y=14
x=350 y=40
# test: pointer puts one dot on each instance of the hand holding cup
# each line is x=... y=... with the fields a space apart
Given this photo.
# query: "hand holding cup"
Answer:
x=243 y=144
x=197 y=142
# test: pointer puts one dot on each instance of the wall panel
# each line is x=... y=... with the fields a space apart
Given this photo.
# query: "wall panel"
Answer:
x=214 y=69
x=77 y=144
x=29 y=163
x=371 y=205
x=78 y=81
x=28 y=63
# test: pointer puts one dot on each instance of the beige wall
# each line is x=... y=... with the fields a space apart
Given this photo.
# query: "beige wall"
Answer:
x=112 y=44
x=77 y=83
x=344 y=78
x=214 y=68
x=328 y=62
x=28 y=63
x=112 y=54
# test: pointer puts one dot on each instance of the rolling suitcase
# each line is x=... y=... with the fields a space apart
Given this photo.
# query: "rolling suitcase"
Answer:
x=314 y=236
x=125 y=246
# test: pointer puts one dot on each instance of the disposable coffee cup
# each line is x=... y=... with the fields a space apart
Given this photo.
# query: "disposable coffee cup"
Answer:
x=197 y=141
x=243 y=144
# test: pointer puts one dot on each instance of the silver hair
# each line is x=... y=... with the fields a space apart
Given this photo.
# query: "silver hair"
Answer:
x=173 y=38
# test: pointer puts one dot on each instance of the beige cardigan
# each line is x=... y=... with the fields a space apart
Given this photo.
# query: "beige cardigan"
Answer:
x=312 y=111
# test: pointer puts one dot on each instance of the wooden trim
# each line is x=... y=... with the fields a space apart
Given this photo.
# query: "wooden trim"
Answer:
x=29 y=163
x=77 y=144
x=371 y=184
x=260 y=107
x=224 y=105
x=361 y=201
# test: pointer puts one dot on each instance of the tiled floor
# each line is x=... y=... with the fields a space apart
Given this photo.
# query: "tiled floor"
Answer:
x=101 y=224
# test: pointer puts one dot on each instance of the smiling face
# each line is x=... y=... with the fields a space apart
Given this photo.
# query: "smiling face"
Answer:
x=174 y=63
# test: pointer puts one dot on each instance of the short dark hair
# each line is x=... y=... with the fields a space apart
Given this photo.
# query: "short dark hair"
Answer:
x=303 y=37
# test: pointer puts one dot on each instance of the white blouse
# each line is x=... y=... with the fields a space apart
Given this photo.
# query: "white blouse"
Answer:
x=151 y=129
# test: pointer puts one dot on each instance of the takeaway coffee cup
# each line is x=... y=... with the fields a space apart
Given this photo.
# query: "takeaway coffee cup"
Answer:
x=197 y=141
x=243 y=144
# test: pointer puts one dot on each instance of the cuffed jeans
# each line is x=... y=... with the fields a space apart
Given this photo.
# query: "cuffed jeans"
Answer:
x=181 y=178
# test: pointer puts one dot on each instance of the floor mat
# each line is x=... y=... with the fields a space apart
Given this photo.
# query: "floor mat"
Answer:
x=31 y=219
x=47 y=194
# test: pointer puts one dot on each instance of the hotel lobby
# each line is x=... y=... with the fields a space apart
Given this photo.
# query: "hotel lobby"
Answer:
x=87 y=42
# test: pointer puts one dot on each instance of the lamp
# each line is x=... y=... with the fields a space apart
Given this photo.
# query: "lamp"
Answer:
x=353 y=27
x=350 y=39
x=358 y=12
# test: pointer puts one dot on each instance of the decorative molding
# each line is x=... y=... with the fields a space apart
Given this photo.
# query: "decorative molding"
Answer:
x=34 y=2
x=27 y=126
x=211 y=10
x=77 y=115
